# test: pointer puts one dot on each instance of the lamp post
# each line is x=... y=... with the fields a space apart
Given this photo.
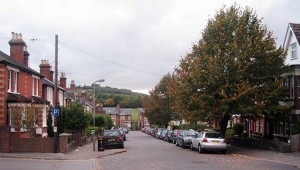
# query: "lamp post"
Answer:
x=94 y=109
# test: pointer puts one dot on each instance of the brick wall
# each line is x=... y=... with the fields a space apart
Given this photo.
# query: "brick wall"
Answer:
x=66 y=146
x=3 y=93
x=4 y=138
x=42 y=145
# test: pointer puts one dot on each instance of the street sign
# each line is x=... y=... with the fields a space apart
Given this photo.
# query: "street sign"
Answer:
x=55 y=112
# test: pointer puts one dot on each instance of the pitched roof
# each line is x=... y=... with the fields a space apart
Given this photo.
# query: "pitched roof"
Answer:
x=4 y=58
x=51 y=84
x=113 y=110
x=141 y=110
x=296 y=30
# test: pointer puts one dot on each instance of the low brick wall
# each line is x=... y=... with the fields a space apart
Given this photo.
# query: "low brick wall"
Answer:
x=4 y=138
x=42 y=145
x=66 y=144
x=263 y=144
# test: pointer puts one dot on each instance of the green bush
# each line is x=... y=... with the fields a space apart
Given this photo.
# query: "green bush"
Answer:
x=238 y=128
x=102 y=121
x=229 y=133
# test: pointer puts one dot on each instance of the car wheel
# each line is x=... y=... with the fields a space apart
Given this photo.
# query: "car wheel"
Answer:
x=122 y=146
x=182 y=142
x=200 y=150
x=192 y=148
x=224 y=151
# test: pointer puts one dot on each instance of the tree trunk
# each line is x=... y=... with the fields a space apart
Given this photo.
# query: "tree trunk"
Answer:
x=271 y=129
x=223 y=124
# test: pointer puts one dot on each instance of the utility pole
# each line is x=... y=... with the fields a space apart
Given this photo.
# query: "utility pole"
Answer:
x=55 y=95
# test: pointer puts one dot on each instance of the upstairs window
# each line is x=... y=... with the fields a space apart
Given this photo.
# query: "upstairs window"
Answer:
x=294 y=51
x=122 y=117
x=50 y=94
x=35 y=86
x=9 y=80
x=12 y=80
x=15 y=85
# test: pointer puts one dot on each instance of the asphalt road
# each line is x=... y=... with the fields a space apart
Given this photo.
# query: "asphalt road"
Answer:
x=145 y=152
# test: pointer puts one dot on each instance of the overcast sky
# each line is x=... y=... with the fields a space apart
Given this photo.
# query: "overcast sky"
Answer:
x=129 y=43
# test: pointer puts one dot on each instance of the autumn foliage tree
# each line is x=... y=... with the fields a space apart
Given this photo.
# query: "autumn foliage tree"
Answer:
x=158 y=105
x=235 y=68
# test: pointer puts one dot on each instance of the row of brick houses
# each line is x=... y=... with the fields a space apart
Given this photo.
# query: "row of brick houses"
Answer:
x=23 y=88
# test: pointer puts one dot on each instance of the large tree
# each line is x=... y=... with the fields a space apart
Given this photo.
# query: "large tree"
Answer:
x=235 y=68
x=157 y=105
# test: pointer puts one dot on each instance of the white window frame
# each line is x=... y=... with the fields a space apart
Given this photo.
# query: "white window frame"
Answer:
x=122 y=117
x=35 y=85
x=293 y=48
x=9 y=76
x=61 y=97
x=15 y=82
x=12 y=74
x=50 y=94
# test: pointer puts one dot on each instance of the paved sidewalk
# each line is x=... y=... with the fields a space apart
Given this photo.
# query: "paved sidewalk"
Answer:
x=84 y=152
x=266 y=155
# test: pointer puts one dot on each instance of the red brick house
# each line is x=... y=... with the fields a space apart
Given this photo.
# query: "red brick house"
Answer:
x=121 y=117
x=21 y=89
x=143 y=120
x=48 y=84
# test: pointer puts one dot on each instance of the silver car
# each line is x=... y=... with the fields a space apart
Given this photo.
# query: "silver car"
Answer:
x=209 y=141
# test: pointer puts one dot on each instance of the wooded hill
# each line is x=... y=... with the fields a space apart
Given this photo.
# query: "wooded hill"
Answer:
x=110 y=97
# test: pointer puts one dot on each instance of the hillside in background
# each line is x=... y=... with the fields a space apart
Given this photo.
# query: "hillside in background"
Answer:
x=110 y=97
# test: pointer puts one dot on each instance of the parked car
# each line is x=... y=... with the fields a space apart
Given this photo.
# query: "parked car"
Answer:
x=168 y=136
x=158 y=132
x=209 y=141
x=113 y=139
x=124 y=129
x=123 y=132
x=184 y=138
x=153 y=132
x=174 y=135
x=162 y=134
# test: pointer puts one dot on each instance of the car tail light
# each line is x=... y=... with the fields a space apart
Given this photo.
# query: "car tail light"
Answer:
x=224 y=141
x=204 y=140
x=120 y=137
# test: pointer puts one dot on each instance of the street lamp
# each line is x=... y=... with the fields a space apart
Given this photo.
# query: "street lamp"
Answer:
x=94 y=109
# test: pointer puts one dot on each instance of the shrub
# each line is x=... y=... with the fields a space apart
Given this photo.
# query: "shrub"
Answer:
x=238 y=128
x=229 y=133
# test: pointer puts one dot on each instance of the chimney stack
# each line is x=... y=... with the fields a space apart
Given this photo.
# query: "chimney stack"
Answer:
x=18 y=49
x=72 y=85
x=51 y=75
x=26 y=56
x=45 y=69
x=63 y=80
